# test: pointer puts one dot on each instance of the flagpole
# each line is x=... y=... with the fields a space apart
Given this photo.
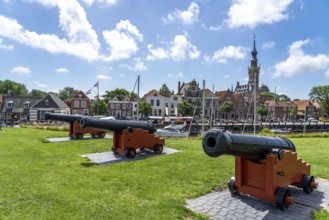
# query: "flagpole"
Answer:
x=98 y=98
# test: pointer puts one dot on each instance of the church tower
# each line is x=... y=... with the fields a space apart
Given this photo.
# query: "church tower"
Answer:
x=253 y=71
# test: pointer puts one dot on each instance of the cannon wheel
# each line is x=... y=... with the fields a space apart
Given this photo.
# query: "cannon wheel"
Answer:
x=158 y=148
x=79 y=136
x=283 y=198
x=101 y=135
x=307 y=182
x=231 y=186
x=131 y=152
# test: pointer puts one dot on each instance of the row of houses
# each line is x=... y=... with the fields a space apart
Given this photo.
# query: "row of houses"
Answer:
x=24 y=108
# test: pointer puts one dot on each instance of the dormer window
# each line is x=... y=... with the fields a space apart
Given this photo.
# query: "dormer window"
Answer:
x=80 y=96
x=27 y=105
x=47 y=102
x=10 y=104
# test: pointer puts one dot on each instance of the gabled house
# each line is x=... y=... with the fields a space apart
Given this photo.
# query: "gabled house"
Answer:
x=307 y=107
x=17 y=108
x=124 y=109
x=238 y=100
x=280 y=109
x=80 y=104
x=49 y=103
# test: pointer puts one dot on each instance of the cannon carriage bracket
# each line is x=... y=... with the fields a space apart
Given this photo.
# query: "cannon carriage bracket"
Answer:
x=269 y=181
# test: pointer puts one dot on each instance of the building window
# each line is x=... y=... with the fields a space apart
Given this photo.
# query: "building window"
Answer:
x=83 y=104
x=117 y=106
x=160 y=112
x=124 y=106
x=112 y=106
x=27 y=105
x=158 y=102
x=10 y=104
x=47 y=102
x=172 y=105
x=175 y=98
x=152 y=102
x=76 y=104
x=166 y=105
x=86 y=111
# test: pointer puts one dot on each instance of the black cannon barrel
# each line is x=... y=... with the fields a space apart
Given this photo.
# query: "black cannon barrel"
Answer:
x=216 y=143
x=116 y=125
x=62 y=117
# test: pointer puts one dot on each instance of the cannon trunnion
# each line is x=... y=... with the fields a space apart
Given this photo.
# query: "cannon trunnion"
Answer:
x=75 y=132
x=264 y=166
x=128 y=136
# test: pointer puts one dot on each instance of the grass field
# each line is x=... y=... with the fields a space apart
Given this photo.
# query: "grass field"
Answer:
x=41 y=180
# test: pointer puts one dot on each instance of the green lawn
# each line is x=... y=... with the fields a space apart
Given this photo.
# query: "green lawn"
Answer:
x=42 y=180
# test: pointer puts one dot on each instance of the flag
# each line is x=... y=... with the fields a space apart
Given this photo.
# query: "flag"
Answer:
x=96 y=84
x=88 y=92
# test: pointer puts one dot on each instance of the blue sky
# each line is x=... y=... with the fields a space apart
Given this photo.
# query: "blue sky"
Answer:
x=51 y=44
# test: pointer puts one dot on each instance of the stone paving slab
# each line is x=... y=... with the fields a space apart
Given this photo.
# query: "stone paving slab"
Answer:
x=61 y=139
x=111 y=158
x=221 y=205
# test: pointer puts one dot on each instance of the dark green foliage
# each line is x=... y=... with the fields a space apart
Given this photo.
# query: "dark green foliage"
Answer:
x=321 y=94
x=144 y=109
x=185 y=108
x=165 y=90
x=67 y=92
x=99 y=107
x=16 y=89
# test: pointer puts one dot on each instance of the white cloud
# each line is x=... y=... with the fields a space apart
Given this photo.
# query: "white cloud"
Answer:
x=122 y=75
x=176 y=75
x=226 y=76
x=138 y=65
x=251 y=13
x=105 y=2
x=81 y=40
x=229 y=52
x=21 y=70
x=157 y=53
x=327 y=73
x=40 y=85
x=299 y=63
x=62 y=70
x=268 y=45
x=122 y=40
x=188 y=17
x=179 y=49
x=4 y=46
x=103 y=77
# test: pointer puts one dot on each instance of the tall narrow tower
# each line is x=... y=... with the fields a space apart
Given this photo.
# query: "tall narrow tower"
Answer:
x=253 y=71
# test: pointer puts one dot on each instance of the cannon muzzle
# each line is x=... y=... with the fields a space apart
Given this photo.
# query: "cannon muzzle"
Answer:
x=216 y=143
x=62 y=117
x=116 y=125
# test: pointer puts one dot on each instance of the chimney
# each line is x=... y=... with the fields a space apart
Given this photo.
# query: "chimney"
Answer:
x=178 y=91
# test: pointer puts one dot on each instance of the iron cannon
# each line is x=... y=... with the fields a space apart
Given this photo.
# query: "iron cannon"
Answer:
x=116 y=125
x=264 y=166
x=216 y=143
x=128 y=135
x=75 y=132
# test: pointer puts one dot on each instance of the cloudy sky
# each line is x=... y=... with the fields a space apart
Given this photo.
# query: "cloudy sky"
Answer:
x=51 y=44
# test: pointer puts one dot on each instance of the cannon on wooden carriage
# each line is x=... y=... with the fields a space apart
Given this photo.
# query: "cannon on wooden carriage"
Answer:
x=75 y=132
x=264 y=166
x=128 y=136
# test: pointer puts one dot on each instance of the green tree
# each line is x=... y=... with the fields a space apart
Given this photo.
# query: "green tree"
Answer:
x=16 y=89
x=67 y=92
x=36 y=92
x=144 y=109
x=283 y=97
x=165 y=90
x=262 y=110
x=293 y=113
x=117 y=93
x=321 y=94
x=185 y=108
x=99 y=107
x=226 y=107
